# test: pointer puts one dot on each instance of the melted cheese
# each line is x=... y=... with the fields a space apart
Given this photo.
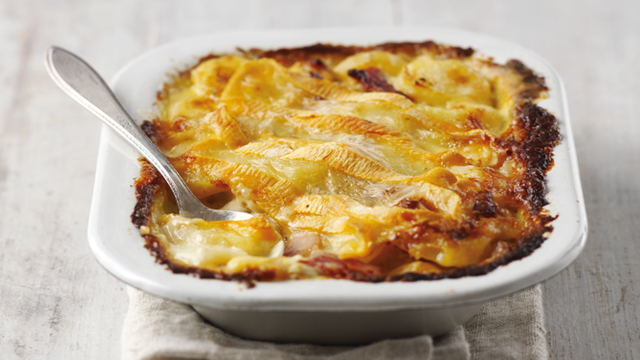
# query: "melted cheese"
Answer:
x=334 y=169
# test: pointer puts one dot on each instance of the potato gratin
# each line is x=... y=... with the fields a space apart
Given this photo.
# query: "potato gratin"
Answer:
x=401 y=161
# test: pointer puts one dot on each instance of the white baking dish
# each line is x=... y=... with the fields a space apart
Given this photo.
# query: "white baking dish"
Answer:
x=322 y=311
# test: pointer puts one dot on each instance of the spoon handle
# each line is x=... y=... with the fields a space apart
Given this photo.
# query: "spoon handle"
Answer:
x=76 y=78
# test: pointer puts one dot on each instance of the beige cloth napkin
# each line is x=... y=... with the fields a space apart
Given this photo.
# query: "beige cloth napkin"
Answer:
x=508 y=328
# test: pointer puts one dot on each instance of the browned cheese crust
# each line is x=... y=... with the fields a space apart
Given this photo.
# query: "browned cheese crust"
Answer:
x=529 y=140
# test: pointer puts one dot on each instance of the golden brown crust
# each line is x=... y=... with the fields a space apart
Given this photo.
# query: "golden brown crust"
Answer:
x=535 y=135
x=529 y=140
x=288 y=57
x=534 y=84
x=147 y=186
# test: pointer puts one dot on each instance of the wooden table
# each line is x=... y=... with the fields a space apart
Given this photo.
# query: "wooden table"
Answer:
x=55 y=300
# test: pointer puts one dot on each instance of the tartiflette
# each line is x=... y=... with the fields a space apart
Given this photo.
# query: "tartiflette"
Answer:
x=400 y=161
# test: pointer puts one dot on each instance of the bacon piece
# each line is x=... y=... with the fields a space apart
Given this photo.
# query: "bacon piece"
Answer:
x=372 y=79
x=413 y=204
x=320 y=70
x=332 y=266
x=303 y=243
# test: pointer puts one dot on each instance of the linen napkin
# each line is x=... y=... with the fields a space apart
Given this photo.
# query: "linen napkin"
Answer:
x=511 y=327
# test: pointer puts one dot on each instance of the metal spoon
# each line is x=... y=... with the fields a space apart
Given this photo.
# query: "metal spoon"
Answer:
x=84 y=85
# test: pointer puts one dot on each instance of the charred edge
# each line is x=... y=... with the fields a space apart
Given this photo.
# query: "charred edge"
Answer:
x=523 y=249
x=289 y=56
x=414 y=48
x=484 y=204
x=147 y=185
x=248 y=277
x=533 y=84
x=528 y=76
x=152 y=130
x=461 y=232
x=536 y=133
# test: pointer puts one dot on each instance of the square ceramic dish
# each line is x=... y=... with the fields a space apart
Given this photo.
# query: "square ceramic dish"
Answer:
x=322 y=311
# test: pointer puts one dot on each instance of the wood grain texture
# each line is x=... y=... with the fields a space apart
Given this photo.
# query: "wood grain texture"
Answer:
x=56 y=302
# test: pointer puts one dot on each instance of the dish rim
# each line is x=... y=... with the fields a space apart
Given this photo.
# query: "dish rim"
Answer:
x=562 y=247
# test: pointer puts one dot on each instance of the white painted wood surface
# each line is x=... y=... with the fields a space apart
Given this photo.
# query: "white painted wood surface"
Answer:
x=56 y=302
